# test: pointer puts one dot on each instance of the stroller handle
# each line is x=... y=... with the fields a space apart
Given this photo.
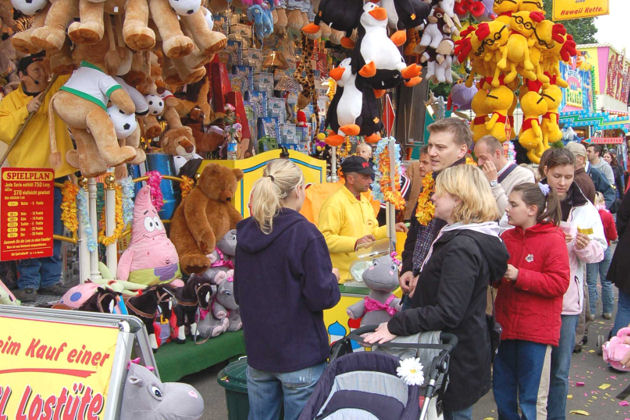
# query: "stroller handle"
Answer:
x=449 y=340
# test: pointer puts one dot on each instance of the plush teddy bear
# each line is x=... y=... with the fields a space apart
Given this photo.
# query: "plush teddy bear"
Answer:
x=82 y=104
x=207 y=213
x=616 y=349
x=381 y=277
x=146 y=397
x=151 y=257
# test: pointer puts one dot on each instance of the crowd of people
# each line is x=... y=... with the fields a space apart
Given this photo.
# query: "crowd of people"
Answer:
x=503 y=245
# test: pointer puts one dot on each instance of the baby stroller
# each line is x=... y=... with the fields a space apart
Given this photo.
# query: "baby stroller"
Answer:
x=364 y=385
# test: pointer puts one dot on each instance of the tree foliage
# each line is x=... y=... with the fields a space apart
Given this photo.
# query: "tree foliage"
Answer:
x=583 y=30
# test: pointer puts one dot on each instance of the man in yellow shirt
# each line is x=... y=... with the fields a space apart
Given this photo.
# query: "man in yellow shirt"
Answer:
x=33 y=151
x=347 y=218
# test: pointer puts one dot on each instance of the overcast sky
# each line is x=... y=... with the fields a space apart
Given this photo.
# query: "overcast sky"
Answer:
x=613 y=28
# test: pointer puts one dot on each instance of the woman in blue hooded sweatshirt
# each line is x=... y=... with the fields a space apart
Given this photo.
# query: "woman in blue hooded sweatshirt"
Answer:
x=283 y=280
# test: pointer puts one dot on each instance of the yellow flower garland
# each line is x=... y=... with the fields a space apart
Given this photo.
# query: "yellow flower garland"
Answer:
x=391 y=196
x=108 y=240
x=425 y=208
x=69 y=206
x=186 y=185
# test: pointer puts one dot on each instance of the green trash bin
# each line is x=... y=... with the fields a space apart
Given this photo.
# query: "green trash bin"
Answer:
x=234 y=379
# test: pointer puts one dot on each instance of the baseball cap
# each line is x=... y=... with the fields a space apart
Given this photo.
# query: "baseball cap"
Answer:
x=576 y=148
x=356 y=164
x=28 y=60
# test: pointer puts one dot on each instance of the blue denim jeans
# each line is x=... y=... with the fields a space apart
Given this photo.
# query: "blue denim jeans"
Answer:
x=560 y=365
x=517 y=371
x=268 y=392
x=600 y=270
x=622 y=319
x=36 y=273
x=465 y=414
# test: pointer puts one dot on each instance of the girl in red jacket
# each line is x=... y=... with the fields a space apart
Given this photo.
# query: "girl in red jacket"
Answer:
x=529 y=300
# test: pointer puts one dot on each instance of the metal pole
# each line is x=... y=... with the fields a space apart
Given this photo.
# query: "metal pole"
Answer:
x=333 y=165
x=111 y=252
x=94 y=273
x=84 y=254
x=391 y=211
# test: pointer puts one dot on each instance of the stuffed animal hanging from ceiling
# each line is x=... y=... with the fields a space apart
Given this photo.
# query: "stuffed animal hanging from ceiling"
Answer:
x=406 y=14
x=375 y=51
x=340 y=17
x=354 y=109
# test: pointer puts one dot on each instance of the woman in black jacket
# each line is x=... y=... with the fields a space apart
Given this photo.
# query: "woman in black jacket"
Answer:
x=450 y=295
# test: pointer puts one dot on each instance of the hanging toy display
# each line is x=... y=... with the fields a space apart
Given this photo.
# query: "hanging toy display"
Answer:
x=354 y=109
x=518 y=50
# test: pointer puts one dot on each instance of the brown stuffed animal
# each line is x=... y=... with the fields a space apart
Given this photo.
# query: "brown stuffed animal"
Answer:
x=207 y=213
x=87 y=119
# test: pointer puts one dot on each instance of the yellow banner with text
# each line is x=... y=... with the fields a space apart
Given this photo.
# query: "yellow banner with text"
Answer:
x=578 y=9
x=54 y=370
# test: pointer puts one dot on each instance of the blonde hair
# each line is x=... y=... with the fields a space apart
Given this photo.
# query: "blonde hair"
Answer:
x=599 y=198
x=470 y=185
x=280 y=177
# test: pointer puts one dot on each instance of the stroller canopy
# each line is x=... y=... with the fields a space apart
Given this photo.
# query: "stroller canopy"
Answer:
x=362 y=385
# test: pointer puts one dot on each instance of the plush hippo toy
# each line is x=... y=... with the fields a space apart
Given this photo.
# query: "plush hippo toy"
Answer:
x=146 y=397
x=380 y=304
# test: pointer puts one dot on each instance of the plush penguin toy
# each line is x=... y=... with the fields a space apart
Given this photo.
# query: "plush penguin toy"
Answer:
x=406 y=14
x=353 y=110
x=341 y=15
x=375 y=52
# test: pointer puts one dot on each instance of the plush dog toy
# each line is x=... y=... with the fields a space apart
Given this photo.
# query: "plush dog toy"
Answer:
x=151 y=257
x=146 y=397
x=207 y=213
x=381 y=277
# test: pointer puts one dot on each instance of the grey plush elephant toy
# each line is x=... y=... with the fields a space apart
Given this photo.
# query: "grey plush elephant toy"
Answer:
x=380 y=304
